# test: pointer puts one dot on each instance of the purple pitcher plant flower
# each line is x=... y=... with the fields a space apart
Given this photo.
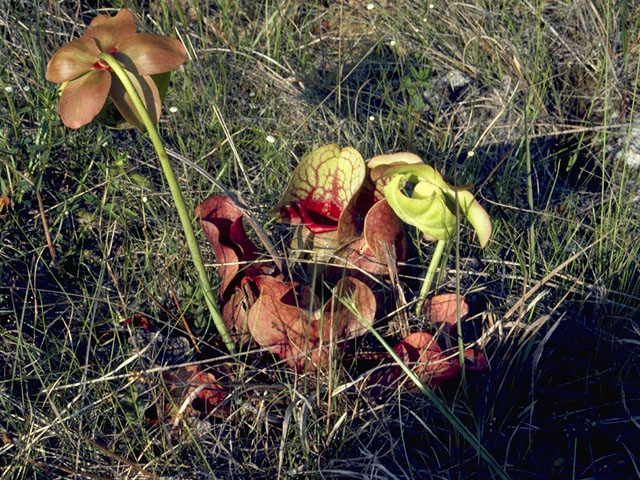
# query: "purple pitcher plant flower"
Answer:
x=87 y=80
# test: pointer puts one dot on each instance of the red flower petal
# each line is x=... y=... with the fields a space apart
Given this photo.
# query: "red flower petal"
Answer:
x=108 y=31
x=84 y=97
x=72 y=60
x=149 y=54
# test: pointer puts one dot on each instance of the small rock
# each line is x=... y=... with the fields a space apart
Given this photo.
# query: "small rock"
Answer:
x=630 y=153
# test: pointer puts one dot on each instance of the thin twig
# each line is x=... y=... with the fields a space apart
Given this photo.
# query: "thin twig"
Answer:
x=45 y=227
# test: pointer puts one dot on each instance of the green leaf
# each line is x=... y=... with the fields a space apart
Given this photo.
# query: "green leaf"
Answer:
x=427 y=212
x=431 y=207
x=477 y=216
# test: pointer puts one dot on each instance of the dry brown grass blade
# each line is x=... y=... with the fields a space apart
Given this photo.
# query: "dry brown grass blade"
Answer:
x=520 y=303
x=48 y=466
x=45 y=227
x=122 y=460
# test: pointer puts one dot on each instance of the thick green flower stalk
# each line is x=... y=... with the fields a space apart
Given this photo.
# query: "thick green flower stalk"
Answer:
x=111 y=60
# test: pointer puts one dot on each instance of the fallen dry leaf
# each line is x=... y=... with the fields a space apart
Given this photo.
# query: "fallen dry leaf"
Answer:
x=443 y=308
x=199 y=389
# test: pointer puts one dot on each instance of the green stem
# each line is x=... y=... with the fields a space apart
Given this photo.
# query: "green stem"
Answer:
x=458 y=322
x=431 y=271
x=178 y=198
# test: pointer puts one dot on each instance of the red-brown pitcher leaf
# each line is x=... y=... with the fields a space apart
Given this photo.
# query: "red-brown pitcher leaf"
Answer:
x=382 y=241
x=475 y=360
x=384 y=232
x=138 y=321
x=235 y=312
x=321 y=187
x=361 y=257
x=421 y=352
x=417 y=347
x=273 y=286
x=351 y=221
x=338 y=319
x=279 y=317
x=221 y=221
x=297 y=214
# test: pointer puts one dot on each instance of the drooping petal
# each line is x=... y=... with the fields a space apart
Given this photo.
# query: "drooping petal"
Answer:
x=111 y=117
x=109 y=31
x=477 y=216
x=72 y=60
x=83 y=98
x=148 y=93
x=149 y=54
